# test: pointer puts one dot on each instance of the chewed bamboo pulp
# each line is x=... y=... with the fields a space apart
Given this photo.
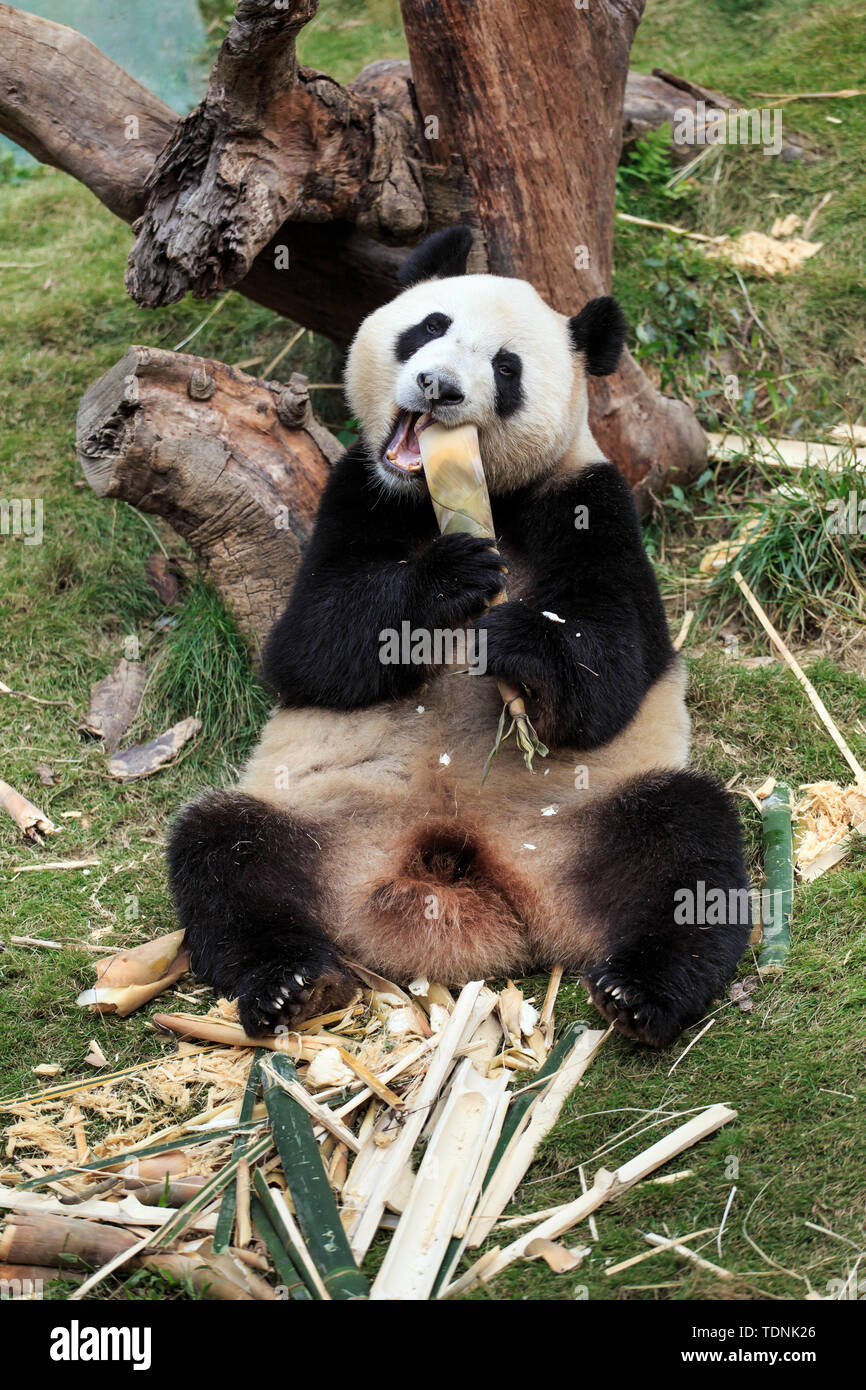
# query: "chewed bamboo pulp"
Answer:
x=461 y=501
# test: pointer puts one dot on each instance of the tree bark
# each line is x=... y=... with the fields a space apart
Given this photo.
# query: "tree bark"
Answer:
x=533 y=97
x=270 y=143
x=235 y=465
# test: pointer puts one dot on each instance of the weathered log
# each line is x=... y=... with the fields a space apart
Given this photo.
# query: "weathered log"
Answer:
x=235 y=465
x=270 y=143
x=652 y=99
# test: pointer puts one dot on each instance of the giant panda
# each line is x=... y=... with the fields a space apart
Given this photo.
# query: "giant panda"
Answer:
x=360 y=829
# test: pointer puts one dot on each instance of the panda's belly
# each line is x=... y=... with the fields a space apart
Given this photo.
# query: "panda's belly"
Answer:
x=424 y=756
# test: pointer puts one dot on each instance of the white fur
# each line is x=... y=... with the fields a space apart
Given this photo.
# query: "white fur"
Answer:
x=548 y=433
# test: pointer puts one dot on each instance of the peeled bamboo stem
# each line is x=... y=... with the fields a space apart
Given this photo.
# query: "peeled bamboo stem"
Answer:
x=606 y=1186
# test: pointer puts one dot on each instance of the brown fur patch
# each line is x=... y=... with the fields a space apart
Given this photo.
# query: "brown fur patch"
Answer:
x=453 y=912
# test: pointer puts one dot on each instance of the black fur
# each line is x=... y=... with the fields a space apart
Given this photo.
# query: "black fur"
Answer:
x=247 y=888
x=374 y=561
x=599 y=332
x=655 y=837
x=590 y=673
x=507 y=370
x=439 y=256
x=411 y=339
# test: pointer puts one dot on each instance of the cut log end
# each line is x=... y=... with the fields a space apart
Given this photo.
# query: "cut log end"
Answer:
x=234 y=464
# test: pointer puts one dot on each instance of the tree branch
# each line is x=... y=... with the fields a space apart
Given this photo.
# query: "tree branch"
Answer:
x=270 y=143
x=72 y=107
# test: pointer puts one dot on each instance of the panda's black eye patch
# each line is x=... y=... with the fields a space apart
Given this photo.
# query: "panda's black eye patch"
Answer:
x=507 y=369
x=411 y=339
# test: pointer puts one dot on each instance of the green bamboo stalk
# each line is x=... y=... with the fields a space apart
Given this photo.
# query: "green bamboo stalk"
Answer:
x=287 y=1274
x=314 y=1203
x=300 y=1260
x=225 y=1220
x=778 y=896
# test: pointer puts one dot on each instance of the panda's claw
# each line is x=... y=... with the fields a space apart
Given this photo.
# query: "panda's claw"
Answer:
x=631 y=1008
x=268 y=1003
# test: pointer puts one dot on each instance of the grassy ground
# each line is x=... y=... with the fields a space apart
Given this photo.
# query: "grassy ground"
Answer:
x=794 y=1066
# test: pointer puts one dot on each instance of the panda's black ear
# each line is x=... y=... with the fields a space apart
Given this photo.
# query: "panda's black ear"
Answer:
x=599 y=332
x=441 y=254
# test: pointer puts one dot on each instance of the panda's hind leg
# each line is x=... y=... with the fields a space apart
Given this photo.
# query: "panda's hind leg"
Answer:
x=664 y=874
x=247 y=884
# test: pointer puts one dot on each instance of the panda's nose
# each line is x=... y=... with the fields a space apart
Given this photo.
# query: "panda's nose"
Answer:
x=437 y=387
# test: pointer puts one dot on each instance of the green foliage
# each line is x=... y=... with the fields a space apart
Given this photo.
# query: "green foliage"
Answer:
x=796 y=343
x=647 y=170
x=203 y=669
x=799 y=563
x=14 y=172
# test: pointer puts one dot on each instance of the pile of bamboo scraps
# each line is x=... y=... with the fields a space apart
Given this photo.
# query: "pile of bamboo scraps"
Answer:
x=827 y=816
x=303 y=1148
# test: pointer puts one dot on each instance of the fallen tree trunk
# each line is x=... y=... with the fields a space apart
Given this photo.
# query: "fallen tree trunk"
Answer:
x=658 y=98
x=236 y=466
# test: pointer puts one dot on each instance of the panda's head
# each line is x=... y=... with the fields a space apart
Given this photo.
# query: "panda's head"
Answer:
x=481 y=350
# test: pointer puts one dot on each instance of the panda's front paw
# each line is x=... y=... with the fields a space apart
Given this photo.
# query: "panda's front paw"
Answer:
x=632 y=1008
x=513 y=645
x=459 y=576
x=272 y=997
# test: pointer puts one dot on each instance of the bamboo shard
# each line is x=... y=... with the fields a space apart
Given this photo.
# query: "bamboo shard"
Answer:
x=606 y=1186
x=458 y=491
x=313 y=1200
x=449 y=1167
x=540 y=1119
x=817 y=703
x=376 y=1171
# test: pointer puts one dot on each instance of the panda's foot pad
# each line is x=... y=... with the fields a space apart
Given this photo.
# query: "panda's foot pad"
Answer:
x=286 y=998
x=631 y=1008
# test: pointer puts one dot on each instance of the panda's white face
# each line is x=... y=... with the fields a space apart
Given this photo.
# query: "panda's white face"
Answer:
x=471 y=349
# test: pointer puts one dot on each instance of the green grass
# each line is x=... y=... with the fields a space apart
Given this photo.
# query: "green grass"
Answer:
x=808 y=368
x=69 y=606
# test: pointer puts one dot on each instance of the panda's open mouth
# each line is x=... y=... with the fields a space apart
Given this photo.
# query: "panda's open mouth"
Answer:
x=403 y=452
